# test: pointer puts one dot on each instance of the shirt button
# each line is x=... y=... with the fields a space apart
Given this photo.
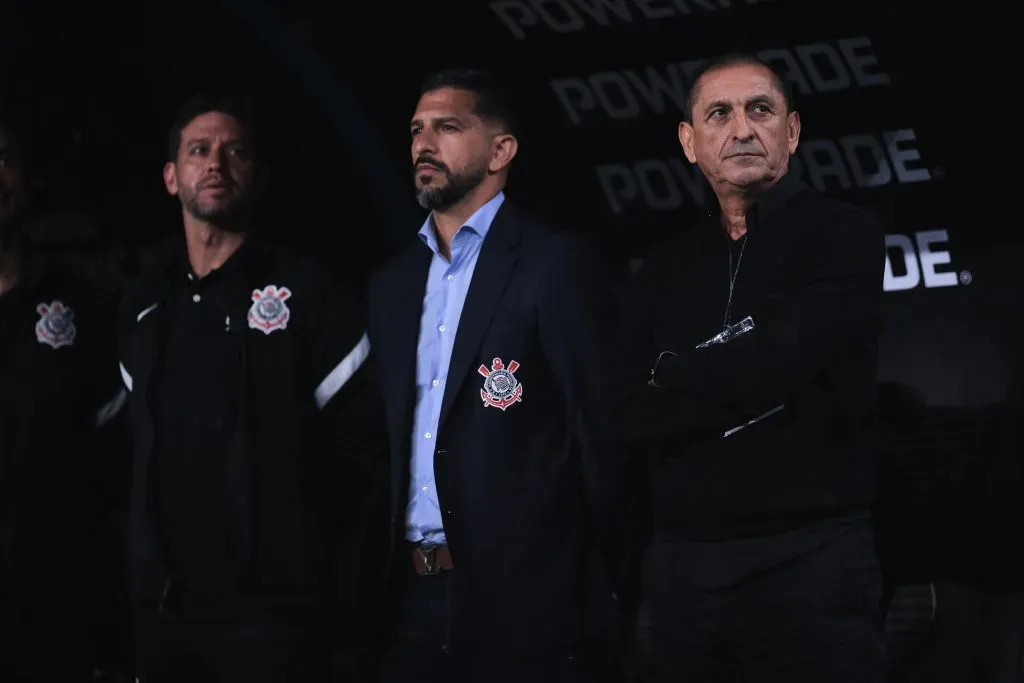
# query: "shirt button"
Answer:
x=436 y=382
x=196 y=298
x=425 y=489
x=451 y=277
x=442 y=328
x=427 y=435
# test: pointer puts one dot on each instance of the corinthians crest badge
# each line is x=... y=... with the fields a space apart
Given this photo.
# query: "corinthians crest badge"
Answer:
x=501 y=388
x=56 y=325
x=269 y=311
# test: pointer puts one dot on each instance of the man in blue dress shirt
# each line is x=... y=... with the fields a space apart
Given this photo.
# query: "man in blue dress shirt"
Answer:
x=501 y=485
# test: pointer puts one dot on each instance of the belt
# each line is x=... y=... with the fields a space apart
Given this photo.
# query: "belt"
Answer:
x=427 y=561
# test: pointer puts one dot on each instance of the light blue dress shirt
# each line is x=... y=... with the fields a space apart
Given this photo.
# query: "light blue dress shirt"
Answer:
x=447 y=285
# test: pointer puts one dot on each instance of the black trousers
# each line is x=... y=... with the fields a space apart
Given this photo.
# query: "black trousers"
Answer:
x=977 y=637
x=43 y=646
x=812 y=618
x=222 y=648
x=429 y=641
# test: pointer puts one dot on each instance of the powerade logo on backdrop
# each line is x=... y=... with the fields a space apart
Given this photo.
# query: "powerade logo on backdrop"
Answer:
x=920 y=260
x=573 y=16
x=911 y=261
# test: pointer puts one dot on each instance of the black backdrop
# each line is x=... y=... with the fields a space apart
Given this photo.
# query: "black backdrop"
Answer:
x=903 y=111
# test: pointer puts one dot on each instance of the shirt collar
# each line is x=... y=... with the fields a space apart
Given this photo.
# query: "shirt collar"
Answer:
x=769 y=203
x=776 y=197
x=182 y=268
x=479 y=223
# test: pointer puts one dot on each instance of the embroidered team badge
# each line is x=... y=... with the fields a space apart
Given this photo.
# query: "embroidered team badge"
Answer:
x=269 y=311
x=56 y=325
x=501 y=388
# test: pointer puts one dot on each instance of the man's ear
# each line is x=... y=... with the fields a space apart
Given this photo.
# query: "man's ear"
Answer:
x=793 y=126
x=503 y=152
x=686 y=141
x=171 y=178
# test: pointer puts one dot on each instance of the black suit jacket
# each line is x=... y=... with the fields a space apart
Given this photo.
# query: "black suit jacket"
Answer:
x=525 y=492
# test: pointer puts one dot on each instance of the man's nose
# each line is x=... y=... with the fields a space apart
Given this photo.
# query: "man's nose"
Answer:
x=218 y=157
x=741 y=128
x=425 y=142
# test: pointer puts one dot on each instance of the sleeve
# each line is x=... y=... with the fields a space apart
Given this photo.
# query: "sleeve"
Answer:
x=723 y=385
x=642 y=414
x=355 y=447
x=109 y=467
x=576 y=316
x=113 y=381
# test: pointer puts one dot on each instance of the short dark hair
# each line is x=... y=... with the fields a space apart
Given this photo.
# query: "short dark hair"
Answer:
x=737 y=59
x=492 y=94
x=239 y=107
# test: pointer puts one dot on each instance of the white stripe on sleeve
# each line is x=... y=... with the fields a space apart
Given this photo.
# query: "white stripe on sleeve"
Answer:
x=342 y=372
x=111 y=408
x=126 y=377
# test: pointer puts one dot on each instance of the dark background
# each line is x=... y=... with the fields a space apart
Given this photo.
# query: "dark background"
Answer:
x=339 y=82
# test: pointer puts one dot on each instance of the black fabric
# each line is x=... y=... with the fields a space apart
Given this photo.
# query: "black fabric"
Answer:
x=300 y=469
x=811 y=280
x=718 y=564
x=433 y=639
x=528 y=494
x=47 y=645
x=813 y=618
x=282 y=649
x=54 y=460
x=196 y=409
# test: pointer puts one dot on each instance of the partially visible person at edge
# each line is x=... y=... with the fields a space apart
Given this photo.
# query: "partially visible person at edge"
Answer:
x=257 y=435
x=61 y=448
x=750 y=348
x=502 y=485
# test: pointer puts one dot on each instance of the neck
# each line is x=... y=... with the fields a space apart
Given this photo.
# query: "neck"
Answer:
x=735 y=202
x=209 y=247
x=448 y=221
x=734 y=215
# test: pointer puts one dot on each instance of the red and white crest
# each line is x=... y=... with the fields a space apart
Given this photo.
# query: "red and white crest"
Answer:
x=56 y=325
x=269 y=311
x=501 y=388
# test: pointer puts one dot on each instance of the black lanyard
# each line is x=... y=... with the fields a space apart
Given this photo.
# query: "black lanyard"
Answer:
x=732 y=279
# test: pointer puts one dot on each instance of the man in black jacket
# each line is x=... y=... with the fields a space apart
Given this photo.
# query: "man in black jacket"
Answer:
x=751 y=350
x=256 y=435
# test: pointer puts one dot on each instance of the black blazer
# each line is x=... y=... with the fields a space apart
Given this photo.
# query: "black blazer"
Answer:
x=525 y=492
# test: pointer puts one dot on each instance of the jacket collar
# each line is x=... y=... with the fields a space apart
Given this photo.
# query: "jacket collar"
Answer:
x=770 y=203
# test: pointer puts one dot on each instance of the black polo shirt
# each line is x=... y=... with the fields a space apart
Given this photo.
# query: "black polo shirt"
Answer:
x=196 y=401
x=58 y=385
x=257 y=434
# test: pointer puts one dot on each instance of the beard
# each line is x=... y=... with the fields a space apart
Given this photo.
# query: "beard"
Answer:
x=434 y=197
x=226 y=213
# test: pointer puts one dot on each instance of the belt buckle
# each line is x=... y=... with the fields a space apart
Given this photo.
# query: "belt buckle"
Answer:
x=429 y=556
